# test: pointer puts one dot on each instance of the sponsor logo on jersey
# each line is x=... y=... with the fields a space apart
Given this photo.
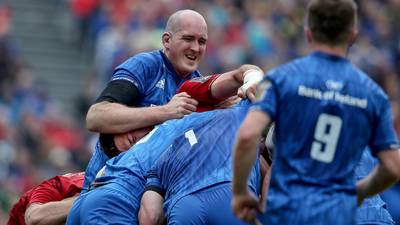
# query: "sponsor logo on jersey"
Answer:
x=334 y=85
x=342 y=98
x=160 y=84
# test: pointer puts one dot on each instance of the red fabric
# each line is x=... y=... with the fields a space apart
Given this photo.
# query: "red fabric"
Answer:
x=53 y=189
x=200 y=89
x=58 y=134
x=83 y=8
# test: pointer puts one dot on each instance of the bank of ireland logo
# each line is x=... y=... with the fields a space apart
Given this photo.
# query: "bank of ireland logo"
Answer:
x=334 y=85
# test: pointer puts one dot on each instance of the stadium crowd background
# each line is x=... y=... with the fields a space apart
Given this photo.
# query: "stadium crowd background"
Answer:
x=37 y=143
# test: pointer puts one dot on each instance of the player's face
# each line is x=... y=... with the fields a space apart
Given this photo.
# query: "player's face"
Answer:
x=187 y=46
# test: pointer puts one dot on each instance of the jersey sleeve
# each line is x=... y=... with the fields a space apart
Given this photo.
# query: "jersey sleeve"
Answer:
x=120 y=91
x=383 y=135
x=153 y=182
x=57 y=188
x=47 y=191
x=266 y=97
x=71 y=183
x=200 y=89
x=137 y=70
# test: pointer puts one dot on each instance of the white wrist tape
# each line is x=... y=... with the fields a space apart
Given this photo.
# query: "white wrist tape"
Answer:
x=251 y=77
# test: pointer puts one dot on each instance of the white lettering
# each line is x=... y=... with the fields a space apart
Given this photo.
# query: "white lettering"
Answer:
x=332 y=95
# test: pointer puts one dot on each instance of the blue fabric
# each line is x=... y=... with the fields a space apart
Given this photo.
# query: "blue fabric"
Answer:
x=106 y=205
x=200 y=158
x=392 y=196
x=97 y=161
x=314 y=209
x=125 y=173
x=157 y=82
x=342 y=112
x=208 y=206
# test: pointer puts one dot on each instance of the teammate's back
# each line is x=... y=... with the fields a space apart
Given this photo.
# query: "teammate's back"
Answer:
x=326 y=112
x=339 y=105
x=340 y=109
x=201 y=157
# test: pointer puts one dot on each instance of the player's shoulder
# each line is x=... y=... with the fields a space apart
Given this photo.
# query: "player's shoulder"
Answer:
x=76 y=175
x=144 y=59
x=287 y=70
x=369 y=85
x=69 y=178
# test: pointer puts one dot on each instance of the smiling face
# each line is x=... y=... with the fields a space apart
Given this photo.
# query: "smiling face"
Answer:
x=185 y=41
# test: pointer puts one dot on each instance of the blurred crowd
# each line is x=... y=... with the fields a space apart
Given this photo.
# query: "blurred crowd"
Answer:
x=37 y=139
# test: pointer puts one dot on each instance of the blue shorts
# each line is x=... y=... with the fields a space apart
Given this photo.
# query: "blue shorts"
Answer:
x=207 y=206
x=108 y=204
x=97 y=162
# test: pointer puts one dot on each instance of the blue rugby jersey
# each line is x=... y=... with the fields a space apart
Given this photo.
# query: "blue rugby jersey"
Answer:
x=157 y=82
x=134 y=163
x=200 y=158
x=326 y=113
x=123 y=179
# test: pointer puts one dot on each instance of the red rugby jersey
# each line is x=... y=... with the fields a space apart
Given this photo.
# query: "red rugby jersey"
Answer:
x=54 y=189
x=199 y=88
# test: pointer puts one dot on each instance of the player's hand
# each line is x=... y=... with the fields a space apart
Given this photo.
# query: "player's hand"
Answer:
x=245 y=206
x=229 y=102
x=251 y=77
x=249 y=93
x=181 y=104
x=125 y=141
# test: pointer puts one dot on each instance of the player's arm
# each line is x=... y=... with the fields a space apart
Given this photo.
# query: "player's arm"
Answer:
x=244 y=204
x=384 y=175
x=245 y=150
x=151 y=209
x=151 y=205
x=243 y=78
x=213 y=89
x=49 y=213
x=114 y=110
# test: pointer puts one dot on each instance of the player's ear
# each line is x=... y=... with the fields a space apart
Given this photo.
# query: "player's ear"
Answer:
x=352 y=36
x=308 y=33
x=166 y=40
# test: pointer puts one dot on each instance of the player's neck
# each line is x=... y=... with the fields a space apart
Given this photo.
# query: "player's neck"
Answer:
x=331 y=50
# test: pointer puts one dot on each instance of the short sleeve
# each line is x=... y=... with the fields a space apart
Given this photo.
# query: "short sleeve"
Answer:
x=137 y=70
x=383 y=135
x=266 y=98
x=47 y=191
x=200 y=89
x=153 y=182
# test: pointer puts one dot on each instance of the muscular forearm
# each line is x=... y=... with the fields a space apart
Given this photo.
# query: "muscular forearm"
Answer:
x=245 y=150
x=227 y=84
x=244 y=156
x=151 y=209
x=106 y=117
x=50 y=213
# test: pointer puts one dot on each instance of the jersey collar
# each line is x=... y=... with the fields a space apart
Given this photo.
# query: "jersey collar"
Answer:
x=325 y=55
